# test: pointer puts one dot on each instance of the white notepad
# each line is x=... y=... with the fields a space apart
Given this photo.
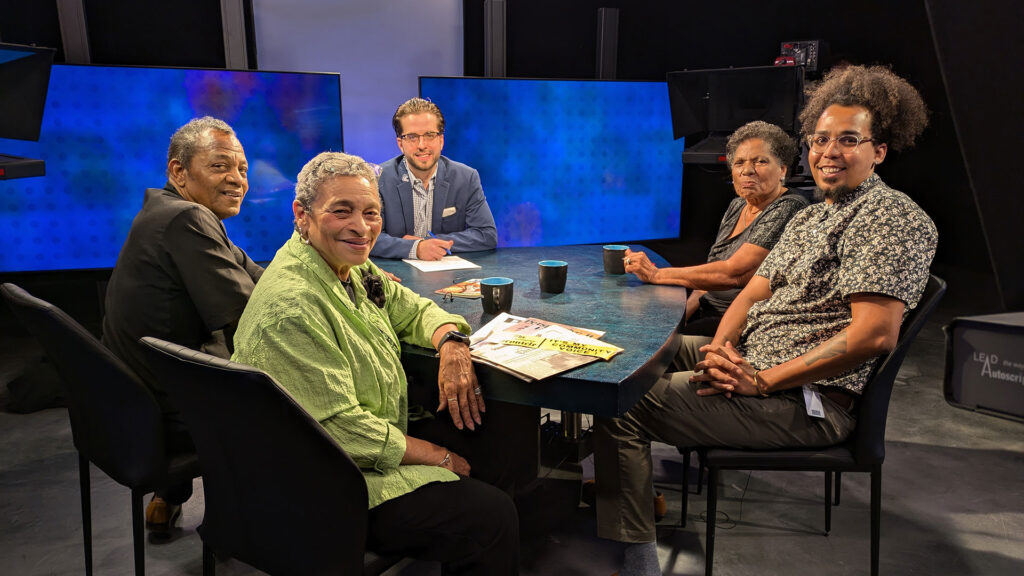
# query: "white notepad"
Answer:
x=446 y=263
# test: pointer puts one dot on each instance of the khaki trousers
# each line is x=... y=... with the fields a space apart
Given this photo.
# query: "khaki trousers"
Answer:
x=674 y=414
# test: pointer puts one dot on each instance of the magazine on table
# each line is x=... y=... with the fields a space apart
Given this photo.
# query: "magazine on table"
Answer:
x=533 y=349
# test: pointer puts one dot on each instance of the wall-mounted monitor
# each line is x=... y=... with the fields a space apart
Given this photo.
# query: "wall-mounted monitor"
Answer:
x=104 y=139
x=566 y=161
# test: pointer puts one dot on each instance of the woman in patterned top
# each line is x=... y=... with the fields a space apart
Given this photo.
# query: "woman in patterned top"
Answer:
x=759 y=154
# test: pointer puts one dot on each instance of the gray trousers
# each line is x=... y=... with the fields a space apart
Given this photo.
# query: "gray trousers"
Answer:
x=674 y=414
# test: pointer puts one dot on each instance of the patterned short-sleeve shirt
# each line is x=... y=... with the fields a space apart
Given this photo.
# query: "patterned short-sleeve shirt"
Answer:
x=872 y=239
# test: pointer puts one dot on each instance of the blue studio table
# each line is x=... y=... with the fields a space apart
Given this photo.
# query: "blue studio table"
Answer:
x=640 y=318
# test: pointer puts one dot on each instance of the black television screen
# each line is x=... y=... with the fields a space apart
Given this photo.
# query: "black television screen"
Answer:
x=566 y=161
x=719 y=101
x=104 y=139
x=24 y=77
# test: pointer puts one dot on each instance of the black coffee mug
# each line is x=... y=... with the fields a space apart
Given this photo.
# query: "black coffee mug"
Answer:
x=613 y=255
x=497 y=294
x=552 y=275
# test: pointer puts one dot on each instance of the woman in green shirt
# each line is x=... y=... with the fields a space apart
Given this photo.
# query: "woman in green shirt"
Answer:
x=327 y=324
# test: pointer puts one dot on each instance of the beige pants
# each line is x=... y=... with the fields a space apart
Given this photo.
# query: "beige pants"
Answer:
x=674 y=414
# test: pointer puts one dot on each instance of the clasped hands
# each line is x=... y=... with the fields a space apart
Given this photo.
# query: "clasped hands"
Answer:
x=724 y=371
x=457 y=388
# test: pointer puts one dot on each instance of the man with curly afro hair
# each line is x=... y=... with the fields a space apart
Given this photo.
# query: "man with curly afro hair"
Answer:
x=794 y=351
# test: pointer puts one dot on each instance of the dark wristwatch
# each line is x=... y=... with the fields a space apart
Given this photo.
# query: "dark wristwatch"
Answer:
x=453 y=335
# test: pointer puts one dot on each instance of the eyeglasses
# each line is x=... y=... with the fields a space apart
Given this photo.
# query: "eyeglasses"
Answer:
x=429 y=137
x=819 y=143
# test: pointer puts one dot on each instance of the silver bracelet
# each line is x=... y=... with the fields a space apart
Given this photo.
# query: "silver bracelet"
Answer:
x=447 y=459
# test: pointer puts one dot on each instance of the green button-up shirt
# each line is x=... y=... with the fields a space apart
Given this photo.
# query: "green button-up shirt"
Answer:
x=341 y=360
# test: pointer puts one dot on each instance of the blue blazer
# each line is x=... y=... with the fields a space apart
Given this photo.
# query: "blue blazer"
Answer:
x=457 y=193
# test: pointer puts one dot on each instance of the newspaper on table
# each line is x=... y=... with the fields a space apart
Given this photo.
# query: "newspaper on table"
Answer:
x=532 y=349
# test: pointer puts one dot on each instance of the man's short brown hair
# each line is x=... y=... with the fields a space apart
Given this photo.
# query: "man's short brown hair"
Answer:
x=416 y=106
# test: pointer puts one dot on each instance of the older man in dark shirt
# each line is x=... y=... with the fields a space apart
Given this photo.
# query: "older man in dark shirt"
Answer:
x=178 y=276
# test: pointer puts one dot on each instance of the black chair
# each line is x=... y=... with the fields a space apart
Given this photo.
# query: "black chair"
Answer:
x=281 y=494
x=864 y=451
x=684 y=487
x=116 y=422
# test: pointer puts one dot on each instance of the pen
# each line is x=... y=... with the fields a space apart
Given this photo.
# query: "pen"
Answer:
x=431 y=234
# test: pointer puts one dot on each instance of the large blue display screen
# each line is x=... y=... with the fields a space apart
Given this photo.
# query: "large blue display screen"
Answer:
x=566 y=161
x=104 y=140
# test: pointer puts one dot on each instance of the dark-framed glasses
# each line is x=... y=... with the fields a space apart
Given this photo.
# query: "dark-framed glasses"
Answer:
x=415 y=138
x=819 y=143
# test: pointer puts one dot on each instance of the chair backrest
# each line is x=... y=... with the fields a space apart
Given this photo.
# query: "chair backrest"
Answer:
x=868 y=441
x=281 y=494
x=115 y=419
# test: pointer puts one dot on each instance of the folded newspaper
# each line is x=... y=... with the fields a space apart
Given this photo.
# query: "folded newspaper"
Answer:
x=532 y=349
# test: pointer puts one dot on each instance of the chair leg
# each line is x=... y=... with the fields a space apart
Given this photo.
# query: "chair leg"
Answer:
x=138 y=533
x=84 y=488
x=828 y=502
x=839 y=486
x=700 y=470
x=876 y=516
x=712 y=513
x=685 y=488
x=209 y=561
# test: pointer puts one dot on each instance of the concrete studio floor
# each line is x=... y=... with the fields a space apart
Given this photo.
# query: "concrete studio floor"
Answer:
x=953 y=502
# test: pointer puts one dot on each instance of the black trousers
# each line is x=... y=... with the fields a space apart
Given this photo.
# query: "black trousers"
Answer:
x=704 y=321
x=502 y=451
x=469 y=526
x=176 y=439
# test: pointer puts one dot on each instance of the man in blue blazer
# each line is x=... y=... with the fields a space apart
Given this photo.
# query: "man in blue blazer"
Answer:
x=432 y=205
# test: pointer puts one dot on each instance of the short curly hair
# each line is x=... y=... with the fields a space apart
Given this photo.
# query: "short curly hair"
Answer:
x=416 y=106
x=780 y=145
x=325 y=166
x=898 y=114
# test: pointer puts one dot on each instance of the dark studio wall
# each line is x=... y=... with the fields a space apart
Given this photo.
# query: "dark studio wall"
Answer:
x=558 y=40
x=186 y=33
x=162 y=33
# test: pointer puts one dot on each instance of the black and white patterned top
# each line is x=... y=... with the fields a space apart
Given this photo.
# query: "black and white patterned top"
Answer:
x=872 y=239
x=764 y=231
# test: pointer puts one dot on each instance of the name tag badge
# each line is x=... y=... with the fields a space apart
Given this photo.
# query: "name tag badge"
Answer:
x=448 y=212
x=812 y=400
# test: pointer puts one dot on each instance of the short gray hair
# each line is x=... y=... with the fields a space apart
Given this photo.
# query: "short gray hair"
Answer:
x=780 y=145
x=186 y=140
x=327 y=165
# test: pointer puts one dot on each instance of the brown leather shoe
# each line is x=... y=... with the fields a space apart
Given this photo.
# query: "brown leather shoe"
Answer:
x=161 y=516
